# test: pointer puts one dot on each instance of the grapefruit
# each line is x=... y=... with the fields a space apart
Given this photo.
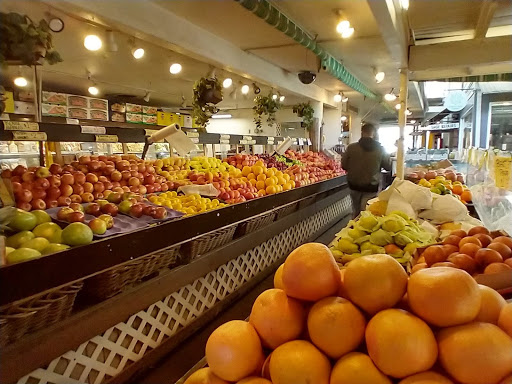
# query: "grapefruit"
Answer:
x=277 y=318
x=428 y=377
x=357 y=368
x=23 y=221
x=204 y=376
x=505 y=319
x=233 y=350
x=475 y=353
x=53 y=248
x=254 y=380
x=19 y=238
x=77 y=234
x=278 y=277
x=336 y=326
x=400 y=344
x=37 y=243
x=22 y=254
x=41 y=216
x=311 y=273
x=299 y=362
x=444 y=296
x=492 y=304
x=50 y=231
x=375 y=282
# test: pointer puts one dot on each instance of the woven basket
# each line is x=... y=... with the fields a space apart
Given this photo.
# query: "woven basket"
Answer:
x=207 y=242
x=253 y=224
x=285 y=211
x=37 y=312
x=113 y=281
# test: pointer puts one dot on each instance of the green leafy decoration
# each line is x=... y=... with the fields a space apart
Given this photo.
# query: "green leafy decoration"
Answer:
x=265 y=105
x=306 y=111
x=203 y=103
x=25 y=41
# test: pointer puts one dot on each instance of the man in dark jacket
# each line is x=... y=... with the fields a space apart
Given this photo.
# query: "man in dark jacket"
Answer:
x=363 y=162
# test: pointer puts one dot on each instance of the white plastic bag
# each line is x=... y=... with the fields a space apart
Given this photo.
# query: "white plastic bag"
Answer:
x=396 y=202
x=445 y=208
x=203 y=190
x=419 y=197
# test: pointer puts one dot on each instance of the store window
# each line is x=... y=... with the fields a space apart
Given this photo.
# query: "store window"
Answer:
x=388 y=136
x=500 y=121
x=468 y=129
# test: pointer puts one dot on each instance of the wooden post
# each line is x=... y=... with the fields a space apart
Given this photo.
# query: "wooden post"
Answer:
x=402 y=120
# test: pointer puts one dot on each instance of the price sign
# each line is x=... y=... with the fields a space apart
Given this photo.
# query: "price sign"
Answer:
x=29 y=136
x=92 y=129
x=503 y=172
x=107 y=139
x=21 y=126
x=72 y=121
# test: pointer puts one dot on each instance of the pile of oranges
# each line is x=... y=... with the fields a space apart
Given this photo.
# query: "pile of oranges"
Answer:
x=267 y=181
x=366 y=324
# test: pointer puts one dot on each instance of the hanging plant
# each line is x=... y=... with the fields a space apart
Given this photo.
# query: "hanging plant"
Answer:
x=207 y=93
x=25 y=42
x=306 y=111
x=265 y=105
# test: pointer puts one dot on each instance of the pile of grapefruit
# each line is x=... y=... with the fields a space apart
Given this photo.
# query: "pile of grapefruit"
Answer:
x=369 y=324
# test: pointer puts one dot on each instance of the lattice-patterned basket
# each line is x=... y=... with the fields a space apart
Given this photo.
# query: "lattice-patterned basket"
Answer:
x=207 y=242
x=255 y=223
x=285 y=211
x=113 y=281
x=37 y=312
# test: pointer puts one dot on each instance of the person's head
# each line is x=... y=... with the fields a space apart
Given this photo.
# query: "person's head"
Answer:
x=368 y=130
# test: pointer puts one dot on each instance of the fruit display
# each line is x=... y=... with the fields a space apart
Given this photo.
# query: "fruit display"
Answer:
x=188 y=204
x=395 y=234
x=368 y=323
x=443 y=183
x=476 y=251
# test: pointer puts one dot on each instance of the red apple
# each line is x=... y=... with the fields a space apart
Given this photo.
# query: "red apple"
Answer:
x=67 y=179
x=6 y=174
x=54 y=180
x=91 y=178
x=150 y=169
x=99 y=187
x=116 y=176
x=16 y=179
x=97 y=195
x=28 y=176
x=159 y=213
x=150 y=179
x=63 y=213
x=19 y=170
x=114 y=197
x=122 y=165
x=136 y=210
x=115 y=184
x=66 y=190
x=38 y=193
x=63 y=201
x=16 y=187
x=75 y=217
x=94 y=166
x=125 y=189
x=27 y=185
x=110 y=209
x=133 y=181
x=109 y=220
x=78 y=189
x=76 y=207
x=126 y=175
x=164 y=187
x=55 y=169
x=148 y=210
x=75 y=198
x=108 y=170
x=25 y=196
x=118 y=189
x=88 y=187
x=79 y=178
x=51 y=203
x=25 y=206
x=158 y=187
x=98 y=226
x=41 y=183
x=38 y=204
x=42 y=172
x=150 y=188
x=93 y=209
x=84 y=160
x=143 y=190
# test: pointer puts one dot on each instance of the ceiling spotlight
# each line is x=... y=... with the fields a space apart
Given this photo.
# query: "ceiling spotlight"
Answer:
x=274 y=96
x=256 y=89
x=379 y=76
x=404 y=4
x=138 y=53
x=227 y=82
x=245 y=89
x=408 y=112
x=346 y=34
x=93 y=90
x=398 y=106
x=175 y=68
x=413 y=121
x=343 y=118
x=337 y=97
x=92 y=42
x=147 y=96
x=20 y=81
x=343 y=26
x=390 y=96
x=281 y=98
x=344 y=98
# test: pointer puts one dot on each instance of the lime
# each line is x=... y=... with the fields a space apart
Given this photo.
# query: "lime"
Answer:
x=39 y=243
x=41 y=216
x=23 y=221
x=22 y=254
x=77 y=234
x=16 y=240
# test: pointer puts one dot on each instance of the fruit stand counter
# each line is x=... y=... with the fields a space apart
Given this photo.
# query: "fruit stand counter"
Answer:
x=140 y=294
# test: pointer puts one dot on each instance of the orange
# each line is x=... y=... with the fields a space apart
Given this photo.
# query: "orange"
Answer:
x=254 y=380
x=233 y=350
x=277 y=318
x=204 y=376
x=251 y=176
x=357 y=368
x=246 y=170
x=257 y=169
x=466 y=196
x=507 y=380
x=335 y=326
x=286 y=177
x=491 y=306
x=400 y=344
x=270 y=172
x=271 y=189
x=375 y=282
x=299 y=362
x=457 y=189
x=505 y=319
x=261 y=176
x=262 y=192
x=260 y=184
x=278 y=277
x=342 y=292
x=475 y=353
x=444 y=296
x=260 y=164
x=287 y=187
x=311 y=273
x=253 y=182
x=428 y=377
x=270 y=181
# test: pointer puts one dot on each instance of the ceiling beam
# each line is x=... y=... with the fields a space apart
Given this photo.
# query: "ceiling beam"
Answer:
x=487 y=9
x=149 y=21
x=461 y=58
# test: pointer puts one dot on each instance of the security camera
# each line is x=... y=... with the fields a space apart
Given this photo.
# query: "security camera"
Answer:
x=307 y=77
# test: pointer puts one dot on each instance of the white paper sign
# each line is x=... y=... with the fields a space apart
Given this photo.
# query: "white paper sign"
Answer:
x=92 y=129
x=21 y=126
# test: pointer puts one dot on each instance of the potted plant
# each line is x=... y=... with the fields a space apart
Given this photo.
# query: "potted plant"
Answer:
x=306 y=111
x=24 y=42
x=207 y=93
x=265 y=105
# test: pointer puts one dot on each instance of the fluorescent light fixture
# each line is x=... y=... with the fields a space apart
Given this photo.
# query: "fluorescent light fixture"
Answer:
x=346 y=34
x=138 y=53
x=175 y=68
x=222 y=116
x=379 y=76
x=404 y=4
x=92 y=42
x=343 y=118
x=93 y=90
x=245 y=89
x=398 y=106
x=20 y=81
x=227 y=82
x=281 y=99
x=337 y=98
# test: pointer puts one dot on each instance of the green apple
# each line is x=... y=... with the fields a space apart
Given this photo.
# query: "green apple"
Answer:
x=16 y=240
x=98 y=226
x=124 y=206
x=38 y=243
x=23 y=221
x=50 y=231
x=102 y=202
x=22 y=254
x=41 y=216
x=53 y=248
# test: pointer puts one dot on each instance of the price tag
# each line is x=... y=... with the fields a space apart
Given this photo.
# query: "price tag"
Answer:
x=107 y=139
x=301 y=141
x=309 y=142
x=21 y=126
x=29 y=136
x=72 y=121
x=503 y=172
x=92 y=129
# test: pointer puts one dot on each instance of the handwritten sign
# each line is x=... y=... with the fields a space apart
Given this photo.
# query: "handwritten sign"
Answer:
x=107 y=139
x=29 y=136
x=92 y=129
x=21 y=126
x=503 y=172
